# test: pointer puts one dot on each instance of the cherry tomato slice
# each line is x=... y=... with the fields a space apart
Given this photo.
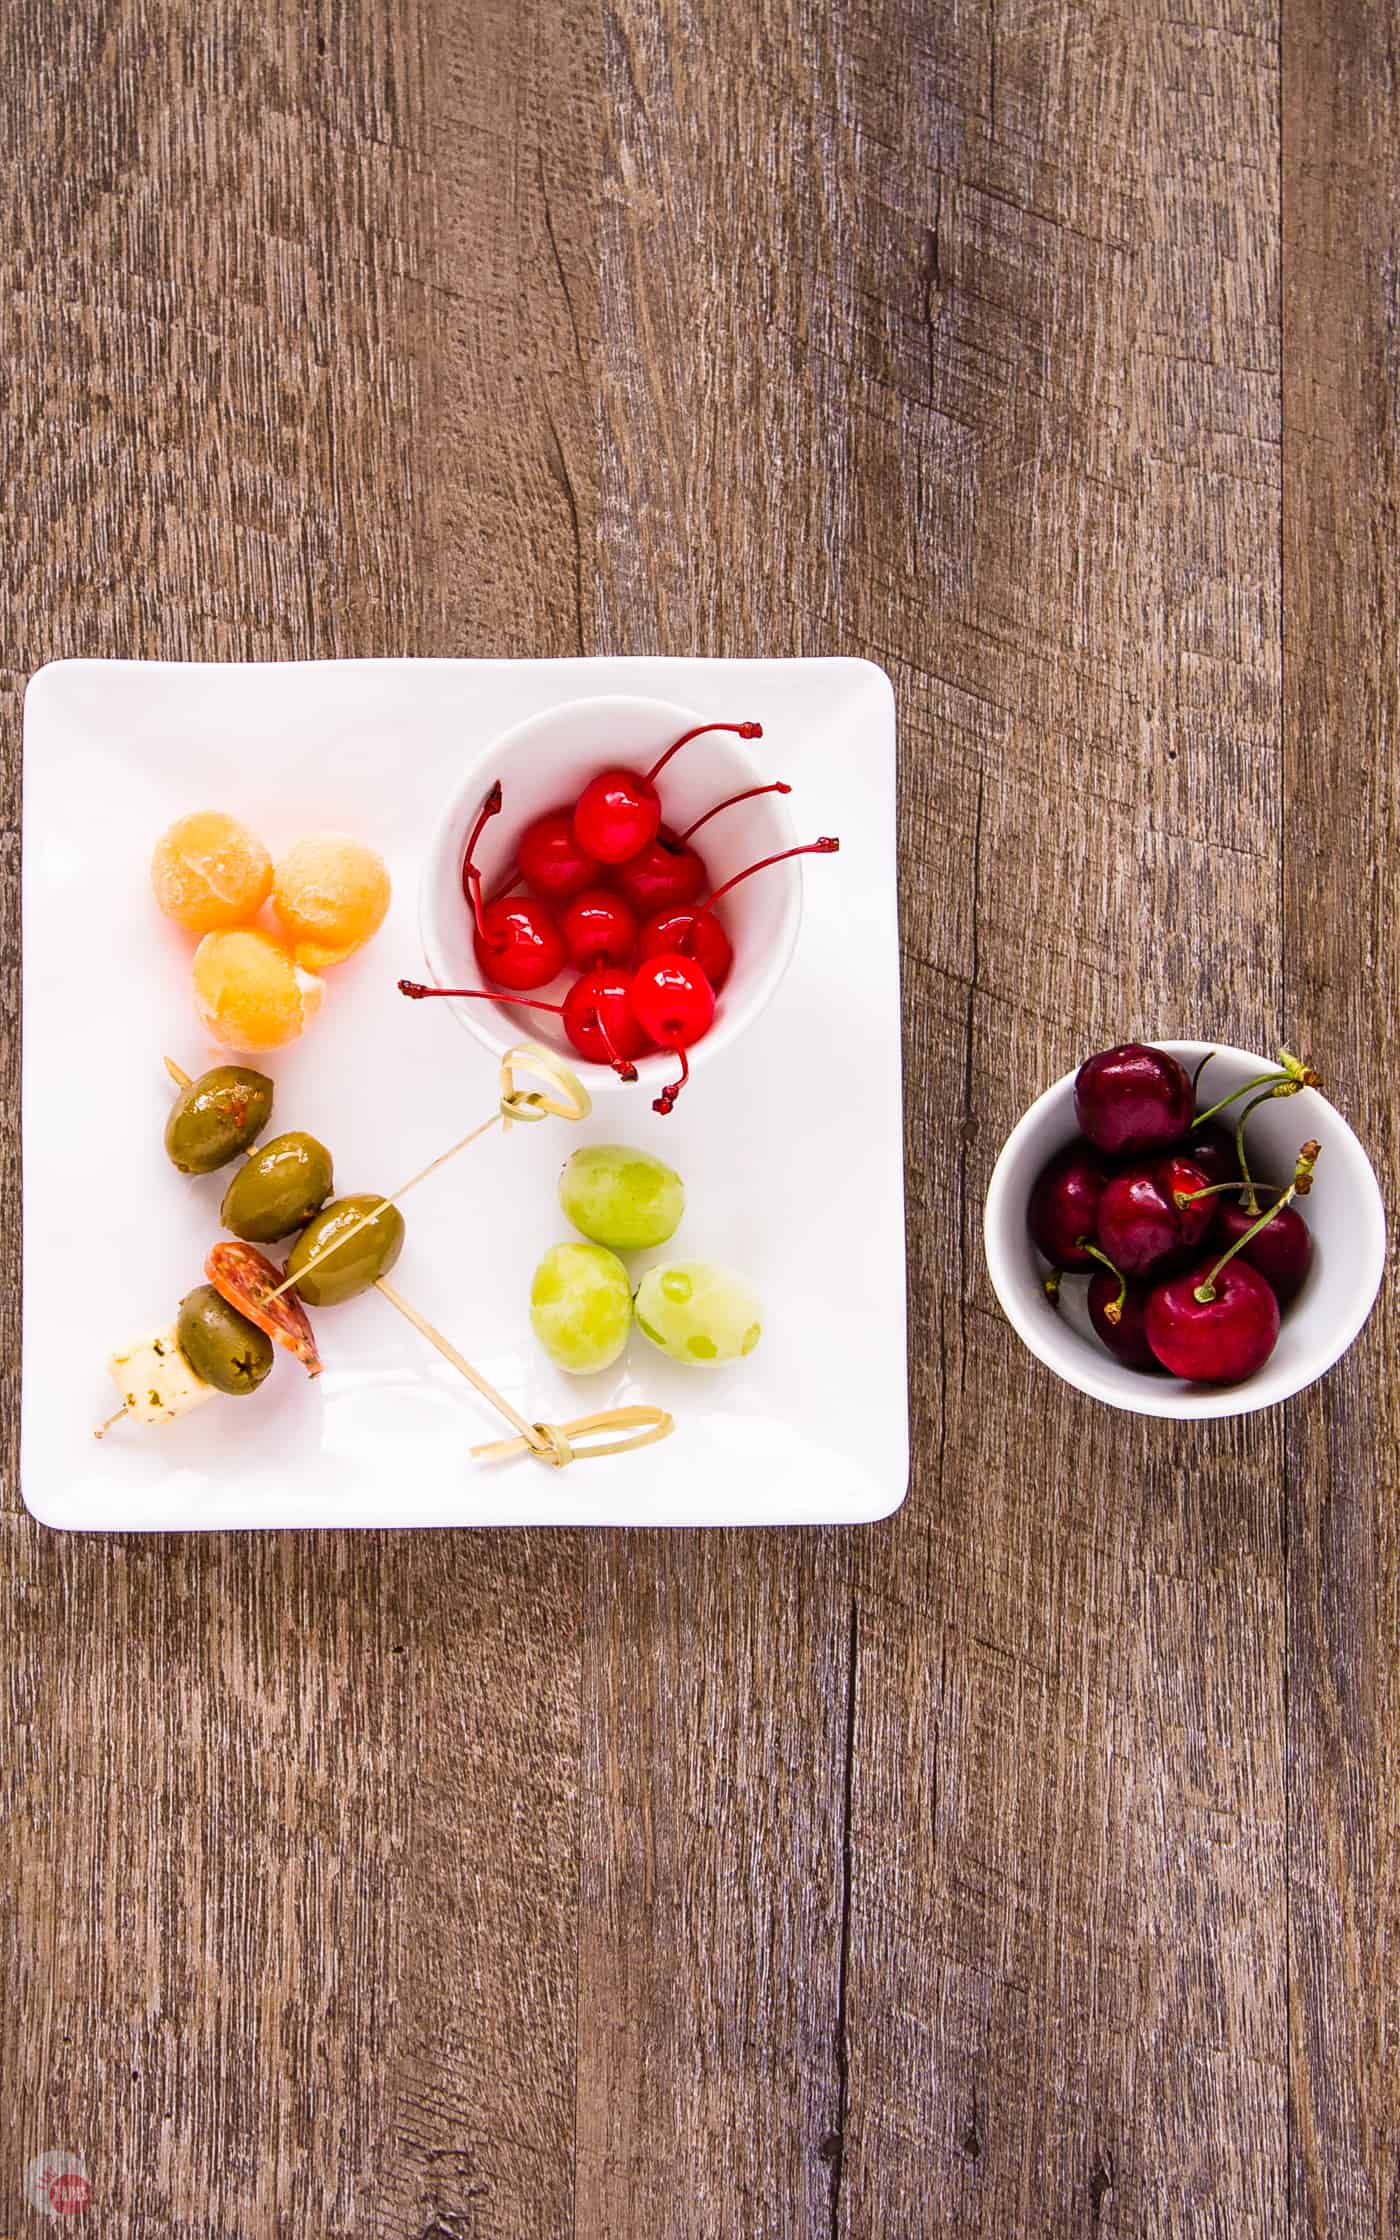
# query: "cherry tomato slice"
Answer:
x=247 y=1279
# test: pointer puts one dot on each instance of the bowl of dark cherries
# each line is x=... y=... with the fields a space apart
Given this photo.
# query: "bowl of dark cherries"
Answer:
x=619 y=878
x=1182 y=1229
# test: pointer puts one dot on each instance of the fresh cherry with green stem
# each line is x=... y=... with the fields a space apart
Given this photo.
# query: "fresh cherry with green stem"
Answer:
x=1133 y=1099
x=668 y=872
x=695 y=931
x=619 y=810
x=1064 y=1204
x=597 y=1014
x=517 y=938
x=1152 y=1210
x=1118 y=1312
x=1219 y=1323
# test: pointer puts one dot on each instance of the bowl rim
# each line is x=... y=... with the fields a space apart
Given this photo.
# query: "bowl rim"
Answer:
x=480 y=1021
x=1176 y=1400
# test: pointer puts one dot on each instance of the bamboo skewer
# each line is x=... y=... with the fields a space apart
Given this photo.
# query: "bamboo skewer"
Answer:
x=551 y=1443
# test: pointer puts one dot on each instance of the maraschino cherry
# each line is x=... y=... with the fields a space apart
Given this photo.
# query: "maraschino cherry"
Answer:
x=518 y=942
x=1064 y=1206
x=619 y=811
x=550 y=860
x=668 y=872
x=675 y=1006
x=597 y=1014
x=599 y=928
x=1133 y=1099
x=695 y=931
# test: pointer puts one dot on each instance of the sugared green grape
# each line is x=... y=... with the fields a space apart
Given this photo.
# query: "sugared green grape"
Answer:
x=581 y=1307
x=622 y=1198
x=698 y=1313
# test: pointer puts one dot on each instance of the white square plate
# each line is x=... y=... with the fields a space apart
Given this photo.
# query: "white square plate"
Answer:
x=791 y=1145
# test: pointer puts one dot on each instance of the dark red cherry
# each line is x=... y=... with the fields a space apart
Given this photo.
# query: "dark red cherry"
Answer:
x=1133 y=1099
x=550 y=860
x=1218 y=1339
x=1141 y=1217
x=518 y=943
x=1119 y=1315
x=599 y=928
x=1064 y=1204
x=1213 y=1151
x=694 y=933
x=1281 y=1251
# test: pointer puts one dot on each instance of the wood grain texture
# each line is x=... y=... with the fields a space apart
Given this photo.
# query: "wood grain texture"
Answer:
x=1027 y=1865
x=1342 y=785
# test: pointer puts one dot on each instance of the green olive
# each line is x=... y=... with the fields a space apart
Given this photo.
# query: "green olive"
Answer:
x=353 y=1268
x=220 y=1344
x=278 y=1190
x=216 y=1117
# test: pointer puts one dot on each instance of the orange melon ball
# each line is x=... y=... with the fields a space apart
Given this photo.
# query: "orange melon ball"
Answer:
x=331 y=894
x=209 y=870
x=250 y=992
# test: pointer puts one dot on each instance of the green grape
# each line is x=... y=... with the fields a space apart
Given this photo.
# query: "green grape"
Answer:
x=581 y=1307
x=622 y=1198
x=698 y=1314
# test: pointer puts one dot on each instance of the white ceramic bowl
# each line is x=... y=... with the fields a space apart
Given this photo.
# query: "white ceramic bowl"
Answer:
x=1344 y=1212
x=543 y=764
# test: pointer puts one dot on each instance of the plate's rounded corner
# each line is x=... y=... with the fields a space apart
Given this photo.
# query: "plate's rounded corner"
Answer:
x=40 y=1514
x=863 y=668
x=893 y=1507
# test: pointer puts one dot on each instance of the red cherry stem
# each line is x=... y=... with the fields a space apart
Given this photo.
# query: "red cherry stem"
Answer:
x=822 y=847
x=1050 y=1285
x=1252 y=1199
x=621 y=1066
x=490 y=807
x=672 y=1090
x=1214 y=1189
x=740 y=730
x=1113 y=1308
x=1297 y=1188
x=1196 y=1076
x=417 y=990
x=752 y=794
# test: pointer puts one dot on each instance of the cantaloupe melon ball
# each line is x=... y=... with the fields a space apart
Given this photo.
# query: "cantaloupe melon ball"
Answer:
x=250 y=991
x=209 y=870
x=330 y=893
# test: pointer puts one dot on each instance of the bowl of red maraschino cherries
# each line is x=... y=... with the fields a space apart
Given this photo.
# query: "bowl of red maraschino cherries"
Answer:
x=619 y=879
x=1182 y=1229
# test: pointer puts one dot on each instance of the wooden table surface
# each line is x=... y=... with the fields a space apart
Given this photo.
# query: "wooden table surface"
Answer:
x=1027 y=1864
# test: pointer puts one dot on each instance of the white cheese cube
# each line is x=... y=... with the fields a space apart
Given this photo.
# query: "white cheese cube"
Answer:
x=156 y=1381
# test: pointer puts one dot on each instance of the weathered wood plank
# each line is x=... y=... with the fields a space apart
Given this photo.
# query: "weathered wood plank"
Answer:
x=1341 y=210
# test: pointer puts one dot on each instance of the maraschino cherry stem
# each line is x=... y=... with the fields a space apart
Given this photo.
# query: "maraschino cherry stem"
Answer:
x=823 y=847
x=740 y=730
x=672 y=1090
x=1297 y=1188
x=1113 y=1308
x=622 y=1067
x=490 y=807
x=752 y=794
